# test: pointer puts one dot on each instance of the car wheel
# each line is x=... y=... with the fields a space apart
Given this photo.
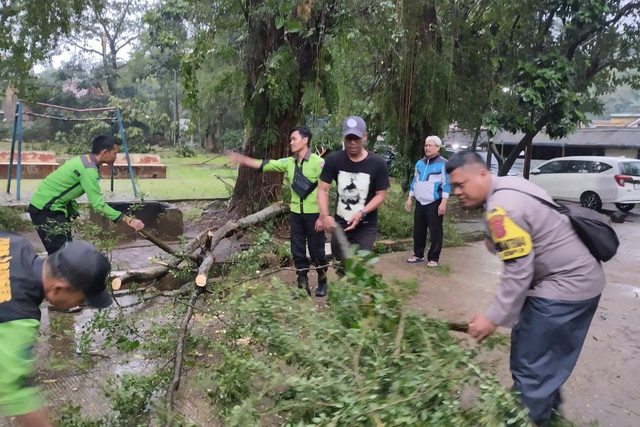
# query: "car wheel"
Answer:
x=625 y=207
x=591 y=200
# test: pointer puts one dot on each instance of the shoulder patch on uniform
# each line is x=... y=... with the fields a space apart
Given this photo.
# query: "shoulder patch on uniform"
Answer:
x=510 y=240
x=284 y=159
x=5 y=281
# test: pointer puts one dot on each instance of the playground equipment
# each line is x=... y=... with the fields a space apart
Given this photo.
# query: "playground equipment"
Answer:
x=113 y=118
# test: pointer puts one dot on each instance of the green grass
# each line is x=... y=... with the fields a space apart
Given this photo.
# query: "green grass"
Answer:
x=394 y=222
x=199 y=177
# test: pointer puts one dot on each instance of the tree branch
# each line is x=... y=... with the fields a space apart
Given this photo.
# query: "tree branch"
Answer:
x=587 y=33
x=85 y=49
x=124 y=43
x=179 y=354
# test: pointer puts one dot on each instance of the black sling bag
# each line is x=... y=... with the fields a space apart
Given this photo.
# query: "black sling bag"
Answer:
x=592 y=228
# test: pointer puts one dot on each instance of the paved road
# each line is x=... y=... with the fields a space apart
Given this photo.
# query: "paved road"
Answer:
x=604 y=385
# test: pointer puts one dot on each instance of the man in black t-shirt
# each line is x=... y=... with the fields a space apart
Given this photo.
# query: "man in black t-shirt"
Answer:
x=362 y=182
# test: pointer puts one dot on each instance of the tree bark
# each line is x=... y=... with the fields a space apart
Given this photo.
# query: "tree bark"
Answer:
x=254 y=190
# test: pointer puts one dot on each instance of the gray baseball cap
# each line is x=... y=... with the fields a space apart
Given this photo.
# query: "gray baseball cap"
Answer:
x=85 y=268
x=354 y=125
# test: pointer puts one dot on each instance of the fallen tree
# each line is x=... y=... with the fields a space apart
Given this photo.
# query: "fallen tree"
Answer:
x=206 y=242
x=196 y=251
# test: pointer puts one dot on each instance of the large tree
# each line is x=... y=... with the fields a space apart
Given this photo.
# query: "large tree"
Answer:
x=281 y=42
x=30 y=31
x=553 y=58
x=105 y=30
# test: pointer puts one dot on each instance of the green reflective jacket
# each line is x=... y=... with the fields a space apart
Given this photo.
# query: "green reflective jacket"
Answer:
x=311 y=166
x=59 y=190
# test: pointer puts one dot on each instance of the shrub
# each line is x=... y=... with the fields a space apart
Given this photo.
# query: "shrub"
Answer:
x=11 y=220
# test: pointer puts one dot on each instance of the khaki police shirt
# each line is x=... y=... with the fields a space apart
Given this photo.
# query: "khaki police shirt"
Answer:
x=542 y=254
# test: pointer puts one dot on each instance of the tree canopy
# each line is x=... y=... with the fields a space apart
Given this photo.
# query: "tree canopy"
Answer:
x=251 y=70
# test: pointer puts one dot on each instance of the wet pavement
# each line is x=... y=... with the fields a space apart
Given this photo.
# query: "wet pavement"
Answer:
x=603 y=387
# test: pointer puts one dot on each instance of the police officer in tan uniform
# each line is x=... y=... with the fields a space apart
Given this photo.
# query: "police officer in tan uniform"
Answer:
x=549 y=288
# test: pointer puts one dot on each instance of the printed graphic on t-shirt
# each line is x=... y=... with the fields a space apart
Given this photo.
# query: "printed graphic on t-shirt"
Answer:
x=352 y=193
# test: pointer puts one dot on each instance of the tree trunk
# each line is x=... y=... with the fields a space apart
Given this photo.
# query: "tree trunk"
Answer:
x=253 y=189
x=413 y=115
x=526 y=139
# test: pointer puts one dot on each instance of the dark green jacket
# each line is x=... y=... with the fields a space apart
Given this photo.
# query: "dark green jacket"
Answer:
x=59 y=190
x=311 y=166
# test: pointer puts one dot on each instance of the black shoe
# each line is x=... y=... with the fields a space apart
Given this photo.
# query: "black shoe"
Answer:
x=303 y=283
x=321 y=290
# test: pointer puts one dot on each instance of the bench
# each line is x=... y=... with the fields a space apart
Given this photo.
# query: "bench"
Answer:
x=145 y=166
x=35 y=164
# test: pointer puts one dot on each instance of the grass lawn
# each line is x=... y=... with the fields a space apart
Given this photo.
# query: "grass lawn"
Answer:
x=200 y=177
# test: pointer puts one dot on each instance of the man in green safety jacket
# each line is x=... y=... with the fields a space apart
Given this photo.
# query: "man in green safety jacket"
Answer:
x=74 y=274
x=54 y=205
x=303 y=170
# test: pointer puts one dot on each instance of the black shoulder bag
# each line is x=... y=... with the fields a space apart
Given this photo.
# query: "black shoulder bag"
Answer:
x=301 y=184
x=592 y=228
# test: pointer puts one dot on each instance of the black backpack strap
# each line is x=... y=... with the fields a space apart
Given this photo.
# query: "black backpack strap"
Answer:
x=540 y=199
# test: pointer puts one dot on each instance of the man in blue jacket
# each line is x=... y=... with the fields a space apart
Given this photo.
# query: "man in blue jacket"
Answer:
x=430 y=187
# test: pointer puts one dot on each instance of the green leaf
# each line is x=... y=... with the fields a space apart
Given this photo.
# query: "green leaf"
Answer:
x=293 y=26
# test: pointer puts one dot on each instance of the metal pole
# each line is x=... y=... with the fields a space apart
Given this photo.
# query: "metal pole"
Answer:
x=528 y=152
x=112 y=165
x=176 y=117
x=13 y=145
x=19 y=169
x=126 y=152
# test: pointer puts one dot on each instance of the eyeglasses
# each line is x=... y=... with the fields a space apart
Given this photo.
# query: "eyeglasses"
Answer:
x=352 y=138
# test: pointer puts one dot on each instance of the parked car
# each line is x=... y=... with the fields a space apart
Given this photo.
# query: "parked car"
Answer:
x=591 y=180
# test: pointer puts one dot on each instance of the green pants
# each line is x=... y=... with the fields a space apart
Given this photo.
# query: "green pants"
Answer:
x=17 y=395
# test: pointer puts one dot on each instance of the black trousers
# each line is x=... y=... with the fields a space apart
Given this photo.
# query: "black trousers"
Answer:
x=303 y=233
x=53 y=228
x=364 y=235
x=426 y=217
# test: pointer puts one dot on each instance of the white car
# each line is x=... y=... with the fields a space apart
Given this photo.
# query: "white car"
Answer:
x=591 y=180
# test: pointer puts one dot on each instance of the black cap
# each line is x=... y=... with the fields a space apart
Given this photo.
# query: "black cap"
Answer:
x=85 y=268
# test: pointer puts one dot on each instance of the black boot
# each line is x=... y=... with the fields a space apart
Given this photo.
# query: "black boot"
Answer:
x=303 y=283
x=321 y=290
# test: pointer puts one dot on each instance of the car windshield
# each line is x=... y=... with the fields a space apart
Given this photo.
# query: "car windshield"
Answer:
x=630 y=168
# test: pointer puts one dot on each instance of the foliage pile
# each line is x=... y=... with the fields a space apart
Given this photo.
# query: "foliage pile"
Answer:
x=363 y=360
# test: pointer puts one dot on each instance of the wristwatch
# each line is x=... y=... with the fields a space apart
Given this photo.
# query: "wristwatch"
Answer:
x=363 y=213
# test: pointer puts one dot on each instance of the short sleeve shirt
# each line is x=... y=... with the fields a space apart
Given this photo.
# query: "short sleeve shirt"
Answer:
x=357 y=182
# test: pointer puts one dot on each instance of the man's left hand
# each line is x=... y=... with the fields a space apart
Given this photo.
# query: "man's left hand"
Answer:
x=480 y=327
x=319 y=226
x=354 y=221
